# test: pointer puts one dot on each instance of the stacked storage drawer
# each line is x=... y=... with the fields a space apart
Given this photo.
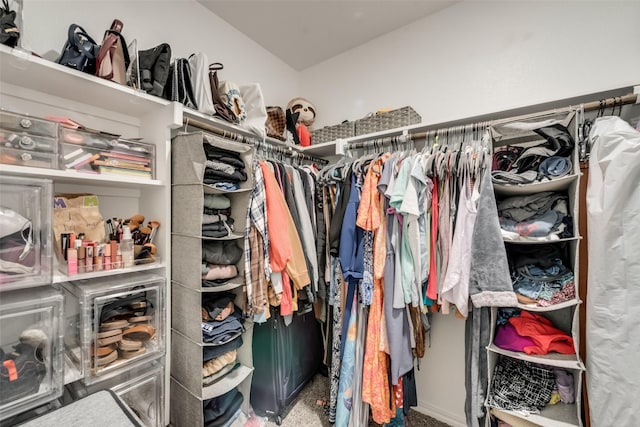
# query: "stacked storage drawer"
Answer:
x=28 y=141
x=113 y=324
x=30 y=349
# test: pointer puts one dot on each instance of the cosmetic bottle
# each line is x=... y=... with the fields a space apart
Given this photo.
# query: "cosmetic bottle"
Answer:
x=126 y=247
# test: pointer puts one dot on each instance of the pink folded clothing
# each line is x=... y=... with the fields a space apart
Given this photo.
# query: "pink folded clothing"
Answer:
x=218 y=272
x=507 y=338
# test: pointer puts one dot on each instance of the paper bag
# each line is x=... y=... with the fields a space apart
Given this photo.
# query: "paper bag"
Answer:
x=77 y=213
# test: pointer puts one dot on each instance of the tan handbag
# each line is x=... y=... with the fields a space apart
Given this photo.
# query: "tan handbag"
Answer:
x=113 y=58
x=276 y=122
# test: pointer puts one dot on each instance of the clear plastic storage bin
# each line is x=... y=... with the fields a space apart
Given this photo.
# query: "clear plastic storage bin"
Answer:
x=31 y=369
x=106 y=154
x=114 y=323
x=28 y=141
x=142 y=390
x=25 y=232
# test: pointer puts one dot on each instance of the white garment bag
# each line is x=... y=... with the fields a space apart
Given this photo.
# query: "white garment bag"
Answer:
x=613 y=303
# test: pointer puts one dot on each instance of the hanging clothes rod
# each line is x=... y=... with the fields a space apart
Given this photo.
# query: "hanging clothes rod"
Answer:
x=200 y=124
x=603 y=104
x=288 y=151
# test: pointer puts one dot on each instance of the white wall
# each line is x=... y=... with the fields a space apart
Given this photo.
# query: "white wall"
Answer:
x=185 y=24
x=479 y=57
x=474 y=58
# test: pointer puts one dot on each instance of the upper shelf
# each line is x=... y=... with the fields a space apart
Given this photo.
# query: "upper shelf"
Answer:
x=535 y=187
x=21 y=68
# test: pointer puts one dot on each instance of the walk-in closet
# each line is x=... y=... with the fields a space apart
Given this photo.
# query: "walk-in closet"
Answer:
x=317 y=213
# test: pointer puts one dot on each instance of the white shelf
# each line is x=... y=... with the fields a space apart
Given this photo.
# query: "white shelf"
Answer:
x=534 y=241
x=558 y=415
x=226 y=383
x=567 y=361
x=554 y=307
x=74 y=177
x=324 y=149
x=59 y=277
x=535 y=187
x=21 y=68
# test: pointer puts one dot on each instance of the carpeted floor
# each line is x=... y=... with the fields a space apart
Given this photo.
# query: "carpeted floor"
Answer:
x=305 y=412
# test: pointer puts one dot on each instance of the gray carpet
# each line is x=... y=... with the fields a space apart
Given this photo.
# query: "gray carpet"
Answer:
x=305 y=412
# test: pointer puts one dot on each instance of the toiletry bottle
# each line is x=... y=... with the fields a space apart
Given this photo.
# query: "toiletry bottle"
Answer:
x=126 y=247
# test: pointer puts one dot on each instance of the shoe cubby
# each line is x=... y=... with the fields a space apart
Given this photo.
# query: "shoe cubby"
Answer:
x=31 y=351
x=113 y=324
x=140 y=389
x=28 y=141
x=25 y=232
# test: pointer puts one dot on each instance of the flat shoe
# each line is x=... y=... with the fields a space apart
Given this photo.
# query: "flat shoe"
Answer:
x=116 y=324
x=108 y=333
x=110 y=340
x=132 y=354
x=101 y=361
x=129 y=345
x=139 y=332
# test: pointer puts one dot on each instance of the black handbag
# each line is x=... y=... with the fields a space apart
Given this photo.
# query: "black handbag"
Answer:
x=9 y=32
x=154 y=65
x=179 y=87
x=80 y=51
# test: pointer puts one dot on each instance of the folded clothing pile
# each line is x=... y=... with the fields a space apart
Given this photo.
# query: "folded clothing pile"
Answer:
x=221 y=319
x=539 y=275
x=216 y=216
x=531 y=333
x=519 y=385
x=224 y=169
x=513 y=164
x=219 y=259
x=539 y=216
x=222 y=410
x=219 y=360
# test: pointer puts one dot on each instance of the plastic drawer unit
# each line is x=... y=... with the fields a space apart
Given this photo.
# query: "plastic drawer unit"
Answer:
x=142 y=390
x=28 y=141
x=25 y=232
x=106 y=154
x=31 y=352
x=113 y=324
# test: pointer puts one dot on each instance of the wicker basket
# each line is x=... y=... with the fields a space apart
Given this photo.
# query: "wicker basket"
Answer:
x=393 y=119
x=331 y=133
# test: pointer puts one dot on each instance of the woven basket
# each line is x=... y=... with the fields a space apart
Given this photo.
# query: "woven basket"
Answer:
x=331 y=133
x=393 y=119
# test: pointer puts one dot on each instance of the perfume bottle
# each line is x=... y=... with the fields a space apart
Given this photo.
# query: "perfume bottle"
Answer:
x=126 y=248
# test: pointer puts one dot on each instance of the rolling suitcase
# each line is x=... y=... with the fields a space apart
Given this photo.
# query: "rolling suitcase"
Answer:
x=285 y=358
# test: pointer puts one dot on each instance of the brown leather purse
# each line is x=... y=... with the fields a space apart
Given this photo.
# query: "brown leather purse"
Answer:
x=276 y=122
x=218 y=104
x=113 y=58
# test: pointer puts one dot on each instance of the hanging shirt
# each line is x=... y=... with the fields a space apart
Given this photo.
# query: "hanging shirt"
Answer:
x=455 y=286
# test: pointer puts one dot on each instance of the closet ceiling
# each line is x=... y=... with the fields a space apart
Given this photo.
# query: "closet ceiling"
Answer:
x=306 y=32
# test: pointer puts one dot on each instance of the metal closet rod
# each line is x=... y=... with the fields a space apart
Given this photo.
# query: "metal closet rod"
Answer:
x=602 y=104
x=249 y=140
x=288 y=151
